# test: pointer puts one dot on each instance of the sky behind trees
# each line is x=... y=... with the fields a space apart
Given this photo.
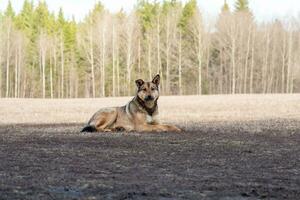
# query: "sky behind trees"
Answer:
x=263 y=10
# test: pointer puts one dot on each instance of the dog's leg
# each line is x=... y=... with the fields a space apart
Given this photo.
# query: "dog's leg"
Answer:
x=170 y=128
x=103 y=121
x=104 y=124
x=147 y=128
x=157 y=128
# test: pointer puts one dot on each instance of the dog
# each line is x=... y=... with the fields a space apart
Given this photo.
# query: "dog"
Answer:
x=140 y=114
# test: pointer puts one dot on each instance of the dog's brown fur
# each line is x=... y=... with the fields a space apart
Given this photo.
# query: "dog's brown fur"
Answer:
x=140 y=114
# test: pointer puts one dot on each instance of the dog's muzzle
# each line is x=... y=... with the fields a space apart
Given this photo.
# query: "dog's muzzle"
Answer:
x=149 y=98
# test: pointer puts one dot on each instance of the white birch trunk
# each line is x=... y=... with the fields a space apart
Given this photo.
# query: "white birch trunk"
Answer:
x=167 y=56
x=8 y=59
x=16 y=73
x=180 y=64
x=199 y=57
x=252 y=63
x=246 y=61
x=283 y=65
x=266 y=63
x=113 y=61
x=92 y=64
x=62 y=65
x=55 y=64
x=128 y=60
x=118 y=70
x=233 y=66
x=289 y=63
x=51 y=76
x=103 y=63
x=139 y=56
x=149 y=59
x=159 y=69
x=43 y=71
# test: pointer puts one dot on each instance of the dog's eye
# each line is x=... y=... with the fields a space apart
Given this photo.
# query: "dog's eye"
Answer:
x=144 y=89
x=152 y=88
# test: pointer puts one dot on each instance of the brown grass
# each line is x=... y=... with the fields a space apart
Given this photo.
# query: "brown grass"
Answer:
x=173 y=109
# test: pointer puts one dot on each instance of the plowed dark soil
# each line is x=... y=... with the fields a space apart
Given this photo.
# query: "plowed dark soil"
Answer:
x=242 y=160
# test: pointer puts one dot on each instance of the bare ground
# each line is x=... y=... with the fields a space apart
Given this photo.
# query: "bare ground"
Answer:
x=249 y=152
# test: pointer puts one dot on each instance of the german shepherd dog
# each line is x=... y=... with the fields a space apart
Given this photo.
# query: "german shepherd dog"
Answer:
x=140 y=114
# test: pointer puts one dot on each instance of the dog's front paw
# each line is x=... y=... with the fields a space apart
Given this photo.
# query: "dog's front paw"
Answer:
x=171 y=128
x=176 y=129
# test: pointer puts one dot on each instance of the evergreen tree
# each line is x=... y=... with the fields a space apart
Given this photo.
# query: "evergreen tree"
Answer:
x=9 y=12
x=147 y=14
x=24 y=21
x=70 y=34
x=241 y=5
x=168 y=5
x=188 y=11
x=225 y=7
x=61 y=24
x=61 y=19
x=98 y=8
x=52 y=26
x=41 y=16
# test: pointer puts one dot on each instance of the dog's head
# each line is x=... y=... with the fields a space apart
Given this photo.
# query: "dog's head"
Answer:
x=148 y=91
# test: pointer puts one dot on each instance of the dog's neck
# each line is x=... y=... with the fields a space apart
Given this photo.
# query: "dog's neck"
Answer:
x=149 y=107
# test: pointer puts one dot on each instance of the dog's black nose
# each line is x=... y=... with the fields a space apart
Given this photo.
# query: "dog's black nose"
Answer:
x=148 y=98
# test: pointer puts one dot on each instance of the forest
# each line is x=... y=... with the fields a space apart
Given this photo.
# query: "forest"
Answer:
x=46 y=55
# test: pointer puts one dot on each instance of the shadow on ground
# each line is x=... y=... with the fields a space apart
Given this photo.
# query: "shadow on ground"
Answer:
x=241 y=160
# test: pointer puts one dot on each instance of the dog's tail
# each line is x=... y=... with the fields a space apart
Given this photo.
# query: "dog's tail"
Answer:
x=89 y=128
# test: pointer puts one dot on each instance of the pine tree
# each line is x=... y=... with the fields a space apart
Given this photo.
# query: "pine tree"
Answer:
x=188 y=11
x=61 y=19
x=41 y=16
x=24 y=21
x=9 y=12
x=225 y=7
x=98 y=8
x=241 y=5
x=147 y=14
x=169 y=5
x=70 y=35
x=52 y=26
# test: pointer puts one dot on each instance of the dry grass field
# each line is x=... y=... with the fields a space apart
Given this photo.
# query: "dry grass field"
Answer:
x=232 y=147
x=183 y=110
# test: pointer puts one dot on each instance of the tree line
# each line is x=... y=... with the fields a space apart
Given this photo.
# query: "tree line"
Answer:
x=45 y=55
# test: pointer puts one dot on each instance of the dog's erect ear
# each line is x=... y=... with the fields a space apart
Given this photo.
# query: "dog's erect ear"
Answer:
x=156 y=79
x=139 y=82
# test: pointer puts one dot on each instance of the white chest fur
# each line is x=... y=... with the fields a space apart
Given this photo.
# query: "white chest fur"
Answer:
x=151 y=119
